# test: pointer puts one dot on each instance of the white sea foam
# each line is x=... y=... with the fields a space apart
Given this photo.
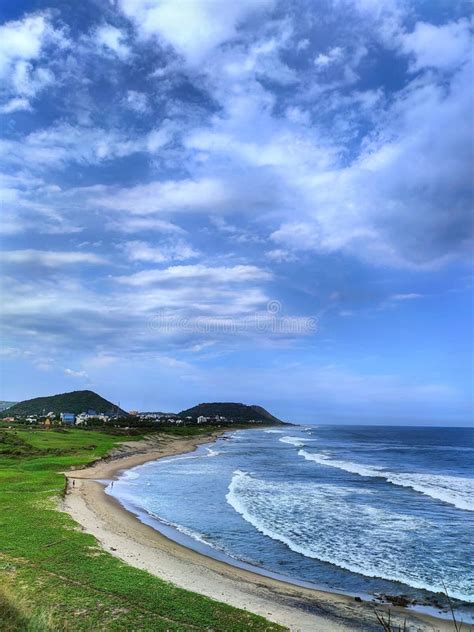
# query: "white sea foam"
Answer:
x=454 y=490
x=195 y=535
x=129 y=475
x=274 y=431
x=296 y=441
x=340 y=526
x=189 y=457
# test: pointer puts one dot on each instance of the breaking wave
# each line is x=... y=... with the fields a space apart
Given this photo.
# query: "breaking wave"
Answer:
x=339 y=525
x=454 y=490
x=296 y=441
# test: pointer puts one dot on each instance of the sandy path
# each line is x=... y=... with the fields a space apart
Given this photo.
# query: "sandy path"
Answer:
x=121 y=533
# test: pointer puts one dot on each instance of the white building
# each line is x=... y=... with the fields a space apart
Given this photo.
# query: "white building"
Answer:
x=83 y=418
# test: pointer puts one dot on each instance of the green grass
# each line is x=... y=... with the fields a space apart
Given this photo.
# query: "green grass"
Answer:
x=55 y=577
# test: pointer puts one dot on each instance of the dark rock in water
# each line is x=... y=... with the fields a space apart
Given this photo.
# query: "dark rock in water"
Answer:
x=358 y=599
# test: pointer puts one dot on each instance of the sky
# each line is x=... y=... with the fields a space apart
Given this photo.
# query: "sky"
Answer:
x=260 y=201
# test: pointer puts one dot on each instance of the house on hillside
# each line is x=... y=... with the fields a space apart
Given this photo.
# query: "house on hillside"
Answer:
x=68 y=418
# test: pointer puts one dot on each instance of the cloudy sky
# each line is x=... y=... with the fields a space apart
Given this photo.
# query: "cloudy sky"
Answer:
x=256 y=201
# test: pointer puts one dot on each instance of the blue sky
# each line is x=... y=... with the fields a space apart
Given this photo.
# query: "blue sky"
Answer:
x=260 y=201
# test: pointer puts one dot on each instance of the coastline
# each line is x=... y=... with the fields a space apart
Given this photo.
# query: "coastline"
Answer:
x=122 y=534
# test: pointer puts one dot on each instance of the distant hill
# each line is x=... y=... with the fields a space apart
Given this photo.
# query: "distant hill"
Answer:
x=4 y=405
x=74 y=402
x=237 y=412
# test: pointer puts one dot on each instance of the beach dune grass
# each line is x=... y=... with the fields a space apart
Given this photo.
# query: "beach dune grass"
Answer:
x=56 y=577
x=15 y=614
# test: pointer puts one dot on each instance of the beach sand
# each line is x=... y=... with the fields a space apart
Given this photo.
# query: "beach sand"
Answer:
x=141 y=546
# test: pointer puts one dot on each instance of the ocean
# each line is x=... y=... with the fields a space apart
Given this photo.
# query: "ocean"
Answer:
x=363 y=510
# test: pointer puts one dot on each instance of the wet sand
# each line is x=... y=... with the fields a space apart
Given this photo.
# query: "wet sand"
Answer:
x=123 y=535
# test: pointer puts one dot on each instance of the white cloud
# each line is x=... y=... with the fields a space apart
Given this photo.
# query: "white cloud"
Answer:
x=298 y=236
x=260 y=59
x=249 y=134
x=160 y=137
x=112 y=39
x=143 y=251
x=333 y=55
x=303 y=44
x=28 y=204
x=137 y=101
x=169 y=196
x=410 y=296
x=219 y=274
x=23 y=42
x=50 y=258
x=280 y=256
x=297 y=115
x=235 y=233
x=444 y=47
x=78 y=374
x=195 y=28
x=102 y=359
x=15 y=105
x=405 y=200
x=28 y=80
x=399 y=189
x=378 y=19
x=65 y=143
x=131 y=224
x=176 y=307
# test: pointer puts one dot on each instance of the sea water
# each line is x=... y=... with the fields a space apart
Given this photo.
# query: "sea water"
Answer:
x=357 y=509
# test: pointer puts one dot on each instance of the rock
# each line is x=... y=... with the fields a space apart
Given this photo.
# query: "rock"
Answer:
x=398 y=600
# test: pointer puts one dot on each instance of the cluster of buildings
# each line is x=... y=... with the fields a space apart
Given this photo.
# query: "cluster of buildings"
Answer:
x=92 y=416
x=215 y=419
x=160 y=418
x=171 y=419
x=69 y=419
x=82 y=418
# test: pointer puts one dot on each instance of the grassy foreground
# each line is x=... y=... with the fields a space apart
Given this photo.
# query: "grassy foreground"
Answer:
x=55 y=577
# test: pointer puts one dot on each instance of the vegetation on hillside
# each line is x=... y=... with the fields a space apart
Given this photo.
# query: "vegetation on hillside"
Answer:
x=4 y=405
x=74 y=402
x=230 y=410
x=53 y=576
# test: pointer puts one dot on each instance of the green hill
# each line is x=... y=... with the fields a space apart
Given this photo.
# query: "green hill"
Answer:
x=4 y=405
x=231 y=410
x=74 y=402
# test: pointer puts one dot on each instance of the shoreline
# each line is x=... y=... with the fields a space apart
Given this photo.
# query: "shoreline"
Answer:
x=121 y=533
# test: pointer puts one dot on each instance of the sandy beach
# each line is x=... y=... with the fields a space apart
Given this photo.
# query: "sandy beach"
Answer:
x=124 y=536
